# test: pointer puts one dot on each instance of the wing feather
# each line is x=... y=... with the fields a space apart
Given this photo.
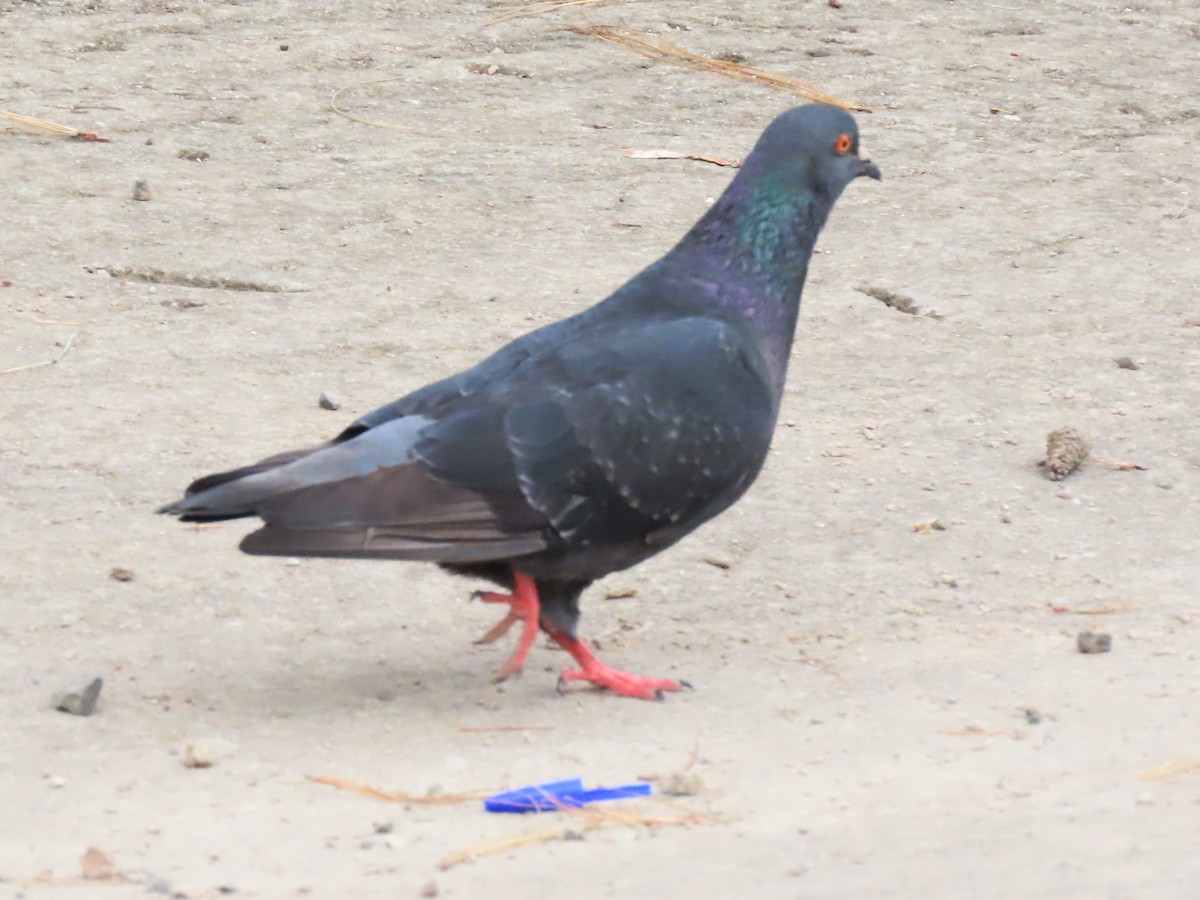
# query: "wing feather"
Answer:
x=567 y=441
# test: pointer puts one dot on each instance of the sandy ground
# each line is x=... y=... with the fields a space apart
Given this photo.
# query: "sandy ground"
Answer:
x=879 y=712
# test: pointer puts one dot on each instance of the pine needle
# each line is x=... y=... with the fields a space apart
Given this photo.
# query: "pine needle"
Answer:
x=367 y=791
x=537 y=9
x=1178 y=769
x=673 y=154
x=485 y=729
x=32 y=124
x=652 y=47
x=333 y=102
x=45 y=362
x=592 y=820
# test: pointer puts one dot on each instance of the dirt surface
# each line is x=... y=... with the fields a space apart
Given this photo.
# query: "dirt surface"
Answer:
x=881 y=709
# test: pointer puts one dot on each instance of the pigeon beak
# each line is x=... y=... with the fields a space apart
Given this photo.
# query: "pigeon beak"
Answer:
x=868 y=168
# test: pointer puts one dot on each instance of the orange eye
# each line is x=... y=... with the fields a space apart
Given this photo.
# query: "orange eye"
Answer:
x=842 y=144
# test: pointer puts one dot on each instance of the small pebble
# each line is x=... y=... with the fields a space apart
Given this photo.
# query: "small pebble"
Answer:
x=681 y=784
x=194 y=155
x=119 y=573
x=1124 y=362
x=97 y=865
x=383 y=827
x=141 y=190
x=198 y=756
x=329 y=400
x=430 y=889
x=79 y=701
x=1092 y=642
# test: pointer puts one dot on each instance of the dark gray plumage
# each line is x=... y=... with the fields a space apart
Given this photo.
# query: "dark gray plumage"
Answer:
x=590 y=444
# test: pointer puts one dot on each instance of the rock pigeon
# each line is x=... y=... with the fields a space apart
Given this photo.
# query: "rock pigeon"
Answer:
x=588 y=445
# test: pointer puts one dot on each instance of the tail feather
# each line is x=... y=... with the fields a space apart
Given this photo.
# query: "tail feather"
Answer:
x=271 y=462
x=238 y=493
x=198 y=505
x=367 y=497
x=372 y=543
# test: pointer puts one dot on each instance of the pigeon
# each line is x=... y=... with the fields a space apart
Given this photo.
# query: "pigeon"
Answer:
x=588 y=445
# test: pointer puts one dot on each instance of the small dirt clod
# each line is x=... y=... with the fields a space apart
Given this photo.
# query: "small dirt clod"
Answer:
x=1093 y=642
x=681 y=784
x=198 y=756
x=96 y=865
x=79 y=701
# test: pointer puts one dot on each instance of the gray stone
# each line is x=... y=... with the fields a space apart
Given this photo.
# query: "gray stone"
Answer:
x=79 y=701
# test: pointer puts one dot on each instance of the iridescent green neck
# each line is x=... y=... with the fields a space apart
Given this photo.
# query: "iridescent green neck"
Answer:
x=761 y=231
x=767 y=229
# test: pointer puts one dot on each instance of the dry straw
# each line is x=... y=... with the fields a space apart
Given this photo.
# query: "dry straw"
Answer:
x=31 y=124
x=652 y=47
x=585 y=820
x=537 y=9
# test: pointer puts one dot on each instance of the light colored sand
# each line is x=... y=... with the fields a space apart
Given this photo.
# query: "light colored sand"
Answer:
x=859 y=717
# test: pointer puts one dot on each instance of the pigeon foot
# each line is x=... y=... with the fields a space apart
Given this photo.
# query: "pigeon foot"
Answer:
x=616 y=680
x=523 y=607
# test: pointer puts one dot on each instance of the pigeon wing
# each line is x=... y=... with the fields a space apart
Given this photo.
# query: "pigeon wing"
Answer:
x=633 y=429
x=613 y=438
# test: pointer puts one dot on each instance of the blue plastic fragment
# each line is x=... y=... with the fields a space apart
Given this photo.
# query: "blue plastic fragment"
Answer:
x=552 y=795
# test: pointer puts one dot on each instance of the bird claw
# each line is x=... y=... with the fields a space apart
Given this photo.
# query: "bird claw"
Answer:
x=524 y=609
x=500 y=629
x=622 y=683
x=505 y=674
x=683 y=685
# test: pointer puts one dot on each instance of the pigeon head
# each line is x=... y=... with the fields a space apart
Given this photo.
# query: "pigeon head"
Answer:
x=817 y=145
x=762 y=229
x=751 y=249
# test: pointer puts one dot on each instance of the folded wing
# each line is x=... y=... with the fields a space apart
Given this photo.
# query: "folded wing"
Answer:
x=593 y=442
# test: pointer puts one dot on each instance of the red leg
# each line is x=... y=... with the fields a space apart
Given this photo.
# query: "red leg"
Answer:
x=617 y=681
x=524 y=607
